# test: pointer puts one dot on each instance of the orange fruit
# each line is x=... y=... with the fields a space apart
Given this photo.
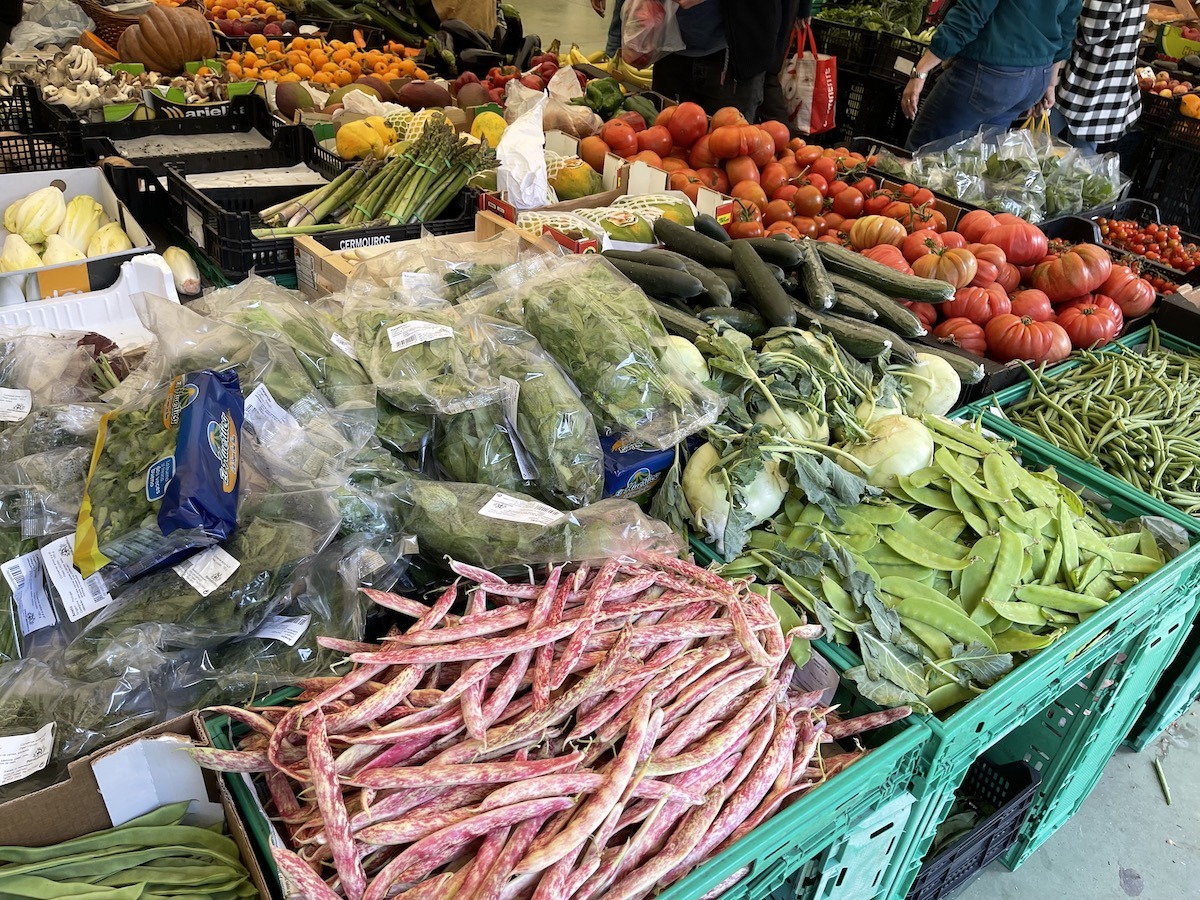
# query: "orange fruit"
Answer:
x=233 y=14
x=304 y=70
x=340 y=55
x=318 y=58
x=294 y=59
x=257 y=41
x=268 y=75
x=353 y=68
x=407 y=67
x=288 y=78
x=277 y=46
x=322 y=78
x=330 y=68
x=420 y=75
x=234 y=69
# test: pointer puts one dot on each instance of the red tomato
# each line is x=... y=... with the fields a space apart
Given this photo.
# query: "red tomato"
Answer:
x=700 y=155
x=1009 y=277
x=952 y=239
x=649 y=157
x=833 y=220
x=664 y=117
x=687 y=182
x=806 y=156
x=848 y=203
x=655 y=138
x=836 y=188
x=867 y=186
x=955 y=267
x=1135 y=296
x=727 y=115
x=808 y=201
x=778 y=211
x=1012 y=337
x=962 y=333
x=680 y=153
x=742 y=168
x=825 y=167
x=1032 y=303
x=875 y=205
x=989 y=259
x=888 y=255
x=635 y=120
x=821 y=184
x=787 y=192
x=926 y=312
x=746 y=230
x=783 y=228
x=871 y=231
x=621 y=139
x=727 y=141
x=791 y=167
x=761 y=144
x=1022 y=243
x=1076 y=272
x=807 y=226
x=1088 y=325
x=674 y=163
x=977 y=304
x=1098 y=300
x=975 y=224
x=779 y=134
x=687 y=124
x=797 y=144
x=746 y=210
x=921 y=243
x=916 y=195
x=751 y=191
x=714 y=178
x=773 y=177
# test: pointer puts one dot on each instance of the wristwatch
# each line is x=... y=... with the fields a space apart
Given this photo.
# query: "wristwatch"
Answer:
x=919 y=76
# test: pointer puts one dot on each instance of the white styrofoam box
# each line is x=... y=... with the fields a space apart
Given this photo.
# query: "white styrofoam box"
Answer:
x=74 y=182
x=111 y=312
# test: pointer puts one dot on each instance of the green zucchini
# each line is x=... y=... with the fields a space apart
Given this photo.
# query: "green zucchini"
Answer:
x=814 y=280
x=649 y=258
x=680 y=323
x=902 y=350
x=777 y=273
x=710 y=227
x=895 y=284
x=767 y=294
x=691 y=244
x=731 y=280
x=665 y=284
x=849 y=305
x=748 y=323
x=785 y=254
x=852 y=337
x=969 y=370
x=715 y=288
x=891 y=313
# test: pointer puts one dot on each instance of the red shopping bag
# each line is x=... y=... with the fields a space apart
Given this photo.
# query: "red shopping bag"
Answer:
x=809 y=83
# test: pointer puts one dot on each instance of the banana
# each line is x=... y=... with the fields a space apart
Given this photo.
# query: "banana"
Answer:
x=577 y=57
x=641 y=78
x=597 y=58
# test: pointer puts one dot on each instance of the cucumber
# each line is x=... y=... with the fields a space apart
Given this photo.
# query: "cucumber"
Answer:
x=710 y=227
x=814 y=280
x=691 y=244
x=777 y=273
x=780 y=253
x=748 y=323
x=680 y=323
x=853 y=337
x=649 y=258
x=969 y=371
x=665 y=284
x=715 y=288
x=895 y=284
x=891 y=314
x=849 y=305
x=767 y=294
x=731 y=280
x=901 y=349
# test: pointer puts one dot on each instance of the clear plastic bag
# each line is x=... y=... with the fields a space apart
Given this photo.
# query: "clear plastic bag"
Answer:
x=649 y=31
x=1103 y=182
x=602 y=330
x=477 y=524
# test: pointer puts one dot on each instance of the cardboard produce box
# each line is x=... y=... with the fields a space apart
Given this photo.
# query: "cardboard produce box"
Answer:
x=129 y=779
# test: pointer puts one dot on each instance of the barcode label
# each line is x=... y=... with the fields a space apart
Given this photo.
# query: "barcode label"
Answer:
x=30 y=597
x=80 y=596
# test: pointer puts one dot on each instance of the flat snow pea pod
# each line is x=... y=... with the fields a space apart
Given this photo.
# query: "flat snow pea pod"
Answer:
x=1083 y=576
x=959 y=474
x=1054 y=617
x=1135 y=563
x=975 y=578
x=1053 y=567
x=1010 y=560
x=837 y=597
x=852 y=523
x=958 y=447
x=799 y=537
x=1124 y=543
x=1037 y=561
x=1087 y=539
x=764 y=540
x=879 y=513
x=914 y=531
x=1012 y=511
x=1036 y=490
x=1021 y=613
x=908 y=570
x=991 y=514
x=1148 y=546
x=1102 y=588
x=969 y=510
x=951 y=527
x=968 y=464
x=925 y=496
x=811 y=515
x=1020 y=641
x=952 y=622
x=983 y=615
x=939 y=645
x=948 y=695
x=1066 y=535
x=882 y=554
x=997 y=476
x=901 y=587
x=1059 y=599
x=860 y=542
x=922 y=556
x=1026 y=568
x=793 y=508
x=864 y=565
x=999 y=626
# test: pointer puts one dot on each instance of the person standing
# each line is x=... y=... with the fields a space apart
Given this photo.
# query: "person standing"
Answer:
x=1098 y=96
x=613 y=43
x=1002 y=58
x=773 y=105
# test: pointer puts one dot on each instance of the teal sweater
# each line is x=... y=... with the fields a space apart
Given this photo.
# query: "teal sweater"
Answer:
x=1021 y=33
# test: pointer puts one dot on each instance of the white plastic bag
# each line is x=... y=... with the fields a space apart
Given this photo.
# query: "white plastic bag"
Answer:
x=649 y=31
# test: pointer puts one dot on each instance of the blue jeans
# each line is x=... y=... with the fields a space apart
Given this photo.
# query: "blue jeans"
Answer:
x=1059 y=128
x=969 y=94
x=614 y=29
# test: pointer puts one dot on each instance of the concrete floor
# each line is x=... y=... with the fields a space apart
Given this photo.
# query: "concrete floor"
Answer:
x=1125 y=841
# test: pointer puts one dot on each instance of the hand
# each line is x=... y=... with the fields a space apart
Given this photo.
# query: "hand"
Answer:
x=599 y=6
x=912 y=95
x=805 y=21
x=1047 y=101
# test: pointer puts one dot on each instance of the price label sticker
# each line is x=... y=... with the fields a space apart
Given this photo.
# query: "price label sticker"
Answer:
x=14 y=404
x=21 y=755
x=513 y=509
x=25 y=577
x=409 y=334
x=80 y=596
x=207 y=570
x=288 y=629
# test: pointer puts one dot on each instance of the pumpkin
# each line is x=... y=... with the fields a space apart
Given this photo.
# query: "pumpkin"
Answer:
x=105 y=55
x=165 y=38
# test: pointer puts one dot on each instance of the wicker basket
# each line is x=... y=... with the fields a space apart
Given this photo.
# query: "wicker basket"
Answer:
x=109 y=25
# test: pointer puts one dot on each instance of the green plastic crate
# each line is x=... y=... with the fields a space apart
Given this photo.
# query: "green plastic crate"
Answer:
x=1180 y=685
x=821 y=845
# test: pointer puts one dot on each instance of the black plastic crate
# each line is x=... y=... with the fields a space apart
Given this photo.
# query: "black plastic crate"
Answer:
x=854 y=47
x=220 y=222
x=869 y=146
x=21 y=110
x=870 y=105
x=1157 y=111
x=896 y=57
x=1073 y=229
x=1009 y=790
x=1144 y=212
